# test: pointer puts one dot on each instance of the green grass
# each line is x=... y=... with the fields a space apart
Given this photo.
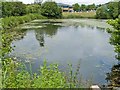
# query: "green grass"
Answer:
x=90 y=14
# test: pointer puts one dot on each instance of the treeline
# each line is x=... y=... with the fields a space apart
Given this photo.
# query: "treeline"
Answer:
x=110 y=10
x=18 y=9
x=16 y=13
x=83 y=7
x=48 y=9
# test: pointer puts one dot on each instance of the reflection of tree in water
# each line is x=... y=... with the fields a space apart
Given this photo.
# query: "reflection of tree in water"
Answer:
x=114 y=76
x=100 y=28
x=50 y=31
x=40 y=37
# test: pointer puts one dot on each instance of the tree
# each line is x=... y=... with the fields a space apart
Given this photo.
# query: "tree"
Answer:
x=91 y=7
x=51 y=10
x=18 y=9
x=76 y=7
x=33 y=8
x=101 y=13
x=83 y=7
x=13 y=9
x=108 y=11
x=113 y=9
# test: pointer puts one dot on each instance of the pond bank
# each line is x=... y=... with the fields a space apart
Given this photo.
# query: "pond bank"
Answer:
x=13 y=21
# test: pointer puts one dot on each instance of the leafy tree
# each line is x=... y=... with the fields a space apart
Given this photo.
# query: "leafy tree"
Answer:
x=33 y=8
x=76 y=7
x=83 y=7
x=51 y=10
x=91 y=7
x=7 y=9
x=13 y=9
x=113 y=9
x=101 y=13
x=108 y=11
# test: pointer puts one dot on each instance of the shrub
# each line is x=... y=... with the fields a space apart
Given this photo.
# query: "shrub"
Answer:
x=115 y=36
x=13 y=21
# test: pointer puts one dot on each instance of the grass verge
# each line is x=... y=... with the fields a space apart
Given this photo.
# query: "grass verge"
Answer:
x=68 y=15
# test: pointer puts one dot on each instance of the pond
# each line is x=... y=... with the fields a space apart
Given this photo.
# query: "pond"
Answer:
x=68 y=41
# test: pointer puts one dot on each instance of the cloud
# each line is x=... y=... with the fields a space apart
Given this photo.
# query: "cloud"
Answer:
x=72 y=1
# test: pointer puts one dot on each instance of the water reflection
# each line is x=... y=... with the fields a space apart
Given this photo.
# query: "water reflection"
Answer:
x=49 y=31
x=68 y=44
x=40 y=37
x=113 y=77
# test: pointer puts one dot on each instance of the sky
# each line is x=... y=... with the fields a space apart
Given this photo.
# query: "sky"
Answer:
x=72 y=1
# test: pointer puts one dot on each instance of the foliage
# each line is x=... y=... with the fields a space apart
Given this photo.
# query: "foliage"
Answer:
x=51 y=10
x=76 y=7
x=35 y=8
x=5 y=46
x=108 y=11
x=13 y=21
x=91 y=7
x=15 y=76
x=101 y=13
x=114 y=75
x=115 y=35
x=13 y=9
x=83 y=7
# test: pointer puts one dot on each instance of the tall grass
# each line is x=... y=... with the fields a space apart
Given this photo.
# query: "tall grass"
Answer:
x=16 y=76
x=68 y=15
x=13 y=21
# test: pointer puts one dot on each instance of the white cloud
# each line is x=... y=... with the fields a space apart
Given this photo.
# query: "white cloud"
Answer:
x=72 y=1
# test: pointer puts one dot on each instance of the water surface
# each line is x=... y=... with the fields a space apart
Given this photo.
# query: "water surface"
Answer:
x=70 y=42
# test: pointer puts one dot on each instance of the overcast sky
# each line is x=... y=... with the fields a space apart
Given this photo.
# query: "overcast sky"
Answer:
x=72 y=1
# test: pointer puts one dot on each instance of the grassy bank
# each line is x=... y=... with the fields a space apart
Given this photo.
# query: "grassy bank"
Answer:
x=13 y=21
x=68 y=15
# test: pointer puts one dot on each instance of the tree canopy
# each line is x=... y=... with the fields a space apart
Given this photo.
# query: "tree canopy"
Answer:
x=51 y=10
x=108 y=11
x=76 y=7
x=13 y=9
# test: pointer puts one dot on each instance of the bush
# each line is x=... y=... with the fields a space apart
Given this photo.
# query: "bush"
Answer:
x=115 y=36
x=51 y=10
x=13 y=21
x=16 y=76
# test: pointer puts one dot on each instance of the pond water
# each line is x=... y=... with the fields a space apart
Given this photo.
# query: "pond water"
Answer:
x=71 y=42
